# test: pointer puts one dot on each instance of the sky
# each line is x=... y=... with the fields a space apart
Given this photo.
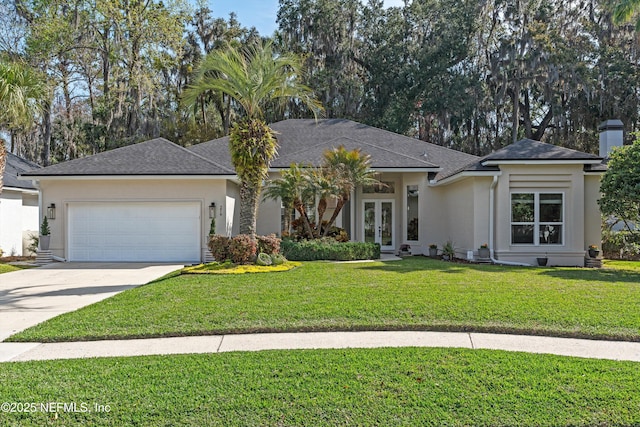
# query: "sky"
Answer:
x=259 y=13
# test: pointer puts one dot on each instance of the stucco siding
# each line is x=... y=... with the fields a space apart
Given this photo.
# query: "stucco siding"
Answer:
x=269 y=218
x=565 y=179
x=481 y=190
x=232 y=210
x=458 y=211
x=592 y=215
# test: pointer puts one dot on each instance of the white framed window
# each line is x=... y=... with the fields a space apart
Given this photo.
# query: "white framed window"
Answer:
x=384 y=187
x=537 y=218
x=412 y=212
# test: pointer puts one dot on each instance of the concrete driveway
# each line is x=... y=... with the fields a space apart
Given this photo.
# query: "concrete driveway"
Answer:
x=28 y=297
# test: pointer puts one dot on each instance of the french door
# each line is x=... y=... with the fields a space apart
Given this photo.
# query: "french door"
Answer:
x=379 y=223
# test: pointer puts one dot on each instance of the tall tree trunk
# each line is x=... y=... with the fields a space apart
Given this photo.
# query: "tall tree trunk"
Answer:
x=3 y=162
x=46 y=135
x=249 y=200
x=341 y=202
x=322 y=208
x=516 y=111
x=299 y=206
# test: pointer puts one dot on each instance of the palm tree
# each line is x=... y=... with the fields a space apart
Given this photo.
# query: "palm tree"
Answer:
x=253 y=78
x=350 y=170
x=323 y=182
x=282 y=189
x=20 y=89
x=293 y=189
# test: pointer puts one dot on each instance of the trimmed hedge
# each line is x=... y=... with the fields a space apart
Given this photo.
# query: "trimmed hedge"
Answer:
x=314 y=250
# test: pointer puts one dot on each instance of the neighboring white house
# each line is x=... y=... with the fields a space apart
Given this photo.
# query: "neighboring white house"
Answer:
x=153 y=201
x=18 y=207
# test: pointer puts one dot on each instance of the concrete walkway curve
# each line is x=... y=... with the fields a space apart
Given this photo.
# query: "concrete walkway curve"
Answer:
x=616 y=350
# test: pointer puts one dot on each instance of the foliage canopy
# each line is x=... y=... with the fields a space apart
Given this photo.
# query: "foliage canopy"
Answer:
x=620 y=185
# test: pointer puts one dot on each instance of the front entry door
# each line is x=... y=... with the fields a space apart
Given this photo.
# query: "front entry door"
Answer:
x=379 y=223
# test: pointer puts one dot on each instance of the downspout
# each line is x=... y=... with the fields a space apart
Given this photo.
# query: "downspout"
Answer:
x=492 y=191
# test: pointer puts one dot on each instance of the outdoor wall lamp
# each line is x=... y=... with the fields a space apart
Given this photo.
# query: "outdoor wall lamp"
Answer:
x=212 y=210
x=51 y=211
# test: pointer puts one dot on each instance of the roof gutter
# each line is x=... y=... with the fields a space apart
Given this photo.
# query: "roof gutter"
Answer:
x=374 y=169
x=119 y=177
x=462 y=175
x=542 y=162
x=22 y=190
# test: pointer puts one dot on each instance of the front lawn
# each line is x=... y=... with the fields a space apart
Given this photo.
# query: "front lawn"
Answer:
x=622 y=265
x=7 y=268
x=364 y=387
x=416 y=293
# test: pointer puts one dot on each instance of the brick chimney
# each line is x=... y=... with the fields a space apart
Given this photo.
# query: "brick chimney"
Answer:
x=611 y=135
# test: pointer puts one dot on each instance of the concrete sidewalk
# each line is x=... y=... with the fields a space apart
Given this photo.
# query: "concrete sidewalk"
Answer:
x=613 y=350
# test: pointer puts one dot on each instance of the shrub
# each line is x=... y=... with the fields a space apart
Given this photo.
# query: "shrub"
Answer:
x=329 y=249
x=337 y=233
x=448 y=249
x=621 y=244
x=277 y=259
x=242 y=249
x=219 y=247
x=263 y=259
x=298 y=232
x=268 y=244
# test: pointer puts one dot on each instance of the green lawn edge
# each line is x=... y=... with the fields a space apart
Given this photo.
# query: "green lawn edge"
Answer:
x=364 y=387
x=412 y=294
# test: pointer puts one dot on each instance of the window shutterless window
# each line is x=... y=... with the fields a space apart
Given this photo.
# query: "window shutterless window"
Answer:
x=412 y=212
x=537 y=218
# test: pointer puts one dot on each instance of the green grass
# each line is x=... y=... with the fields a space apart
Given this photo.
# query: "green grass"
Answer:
x=623 y=265
x=416 y=293
x=7 y=268
x=364 y=387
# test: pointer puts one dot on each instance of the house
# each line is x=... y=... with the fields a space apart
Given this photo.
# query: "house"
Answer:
x=18 y=207
x=154 y=201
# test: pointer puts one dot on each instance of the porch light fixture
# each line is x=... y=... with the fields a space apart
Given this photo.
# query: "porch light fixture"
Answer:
x=212 y=210
x=51 y=211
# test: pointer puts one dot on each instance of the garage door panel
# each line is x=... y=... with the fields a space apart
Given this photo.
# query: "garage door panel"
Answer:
x=134 y=231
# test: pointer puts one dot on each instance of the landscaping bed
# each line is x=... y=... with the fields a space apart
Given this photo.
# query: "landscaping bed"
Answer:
x=230 y=268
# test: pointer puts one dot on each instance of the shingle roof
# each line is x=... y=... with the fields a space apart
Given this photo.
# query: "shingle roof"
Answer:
x=17 y=165
x=528 y=149
x=305 y=141
x=154 y=157
x=525 y=150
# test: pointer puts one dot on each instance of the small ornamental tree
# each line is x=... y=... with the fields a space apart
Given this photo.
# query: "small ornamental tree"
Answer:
x=620 y=185
x=44 y=227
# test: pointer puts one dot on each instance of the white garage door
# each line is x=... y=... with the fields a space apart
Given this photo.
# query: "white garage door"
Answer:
x=134 y=231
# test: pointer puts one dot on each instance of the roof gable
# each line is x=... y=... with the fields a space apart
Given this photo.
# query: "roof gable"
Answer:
x=158 y=156
x=15 y=166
